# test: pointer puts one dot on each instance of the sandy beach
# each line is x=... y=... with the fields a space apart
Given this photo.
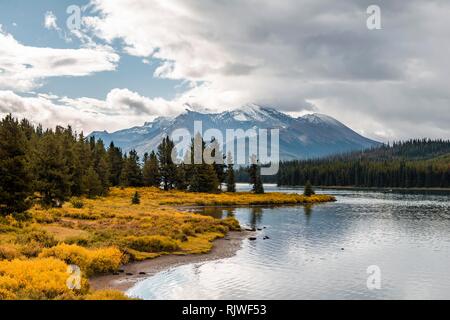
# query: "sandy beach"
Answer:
x=136 y=271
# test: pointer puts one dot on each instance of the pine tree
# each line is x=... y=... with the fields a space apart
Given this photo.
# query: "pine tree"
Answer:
x=231 y=183
x=308 y=191
x=258 y=186
x=67 y=139
x=136 y=198
x=167 y=166
x=181 y=179
x=52 y=173
x=131 y=172
x=81 y=160
x=101 y=165
x=204 y=179
x=202 y=176
x=255 y=176
x=150 y=171
x=219 y=166
x=92 y=184
x=15 y=177
x=115 y=160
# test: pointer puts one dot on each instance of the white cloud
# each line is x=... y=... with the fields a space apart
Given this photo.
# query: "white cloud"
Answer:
x=297 y=55
x=291 y=53
x=128 y=101
x=121 y=108
x=51 y=23
x=24 y=67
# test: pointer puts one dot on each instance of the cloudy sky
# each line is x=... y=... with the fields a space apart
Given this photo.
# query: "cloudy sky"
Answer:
x=128 y=61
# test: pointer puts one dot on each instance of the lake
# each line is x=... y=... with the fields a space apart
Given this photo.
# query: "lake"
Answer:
x=324 y=252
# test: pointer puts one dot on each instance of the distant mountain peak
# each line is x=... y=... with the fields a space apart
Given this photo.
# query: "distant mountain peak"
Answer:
x=254 y=112
x=311 y=136
x=319 y=118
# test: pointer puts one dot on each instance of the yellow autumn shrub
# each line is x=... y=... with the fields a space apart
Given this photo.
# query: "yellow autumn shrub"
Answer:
x=36 y=279
x=9 y=251
x=83 y=236
x=151 y=243
x=232 y=223
x=90 y=261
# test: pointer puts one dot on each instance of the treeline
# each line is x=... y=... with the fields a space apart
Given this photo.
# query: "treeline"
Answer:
x=242 y=175
x=412 y=164
x=50 y=166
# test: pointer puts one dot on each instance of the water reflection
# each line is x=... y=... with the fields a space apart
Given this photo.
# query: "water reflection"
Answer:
x=255 y=213
x=308 y=209
x=406 y=235
x=255 y=217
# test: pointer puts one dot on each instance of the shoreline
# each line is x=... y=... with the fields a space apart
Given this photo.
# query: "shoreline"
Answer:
x=222 y=248
x=225 y=247
x=369 y=188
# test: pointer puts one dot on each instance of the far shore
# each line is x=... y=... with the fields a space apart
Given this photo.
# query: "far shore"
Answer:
x=368 y=188
x=137 y=271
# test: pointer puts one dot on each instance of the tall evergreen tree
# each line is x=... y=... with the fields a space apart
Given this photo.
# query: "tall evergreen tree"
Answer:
x=67 y=139
x=92 y=184
x=131 y=172
x=181 y=179
x=15 y=178
x=167 y=166
x=115 y=160
x=150 y=171
x=255 y=176
x=308 y=191
x=81 y=160
x=53 y=175
x=203 y=177
x=218 y=164
x=231 y=183
x=101 y=165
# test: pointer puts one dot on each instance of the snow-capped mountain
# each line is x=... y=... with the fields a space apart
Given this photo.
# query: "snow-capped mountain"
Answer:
x=310 y=136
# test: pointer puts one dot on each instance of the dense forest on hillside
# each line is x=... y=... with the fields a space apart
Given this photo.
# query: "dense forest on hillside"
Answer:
x=411 y=164
x=51 y=166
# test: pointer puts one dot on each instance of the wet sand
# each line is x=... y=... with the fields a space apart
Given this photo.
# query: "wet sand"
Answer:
x=223 y=248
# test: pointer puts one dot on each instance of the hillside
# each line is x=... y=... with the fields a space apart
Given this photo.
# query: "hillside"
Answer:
x=410 y=164
x=310 y=136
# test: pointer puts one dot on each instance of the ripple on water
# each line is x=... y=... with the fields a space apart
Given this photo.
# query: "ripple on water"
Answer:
x=406 y=235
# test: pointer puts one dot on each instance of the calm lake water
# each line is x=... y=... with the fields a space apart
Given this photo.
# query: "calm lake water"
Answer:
x=323 y=252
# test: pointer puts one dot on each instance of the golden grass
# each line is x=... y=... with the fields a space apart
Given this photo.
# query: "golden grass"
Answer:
x=152 y=196
x=106 y=232
x=65 y=234
x=36 y=279
x=91 y=261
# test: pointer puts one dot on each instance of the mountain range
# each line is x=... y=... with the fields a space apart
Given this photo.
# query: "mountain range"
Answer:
x=309 y=136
